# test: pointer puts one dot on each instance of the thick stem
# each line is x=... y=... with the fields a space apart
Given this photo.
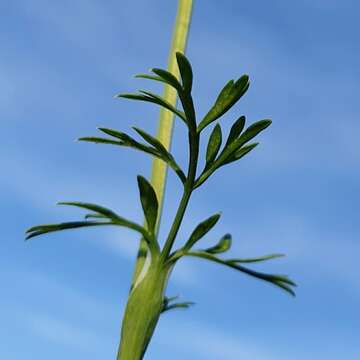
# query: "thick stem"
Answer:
x=142 y=312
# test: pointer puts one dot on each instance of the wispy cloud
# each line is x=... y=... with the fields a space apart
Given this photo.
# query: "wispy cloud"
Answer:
x=61 y=332
x=201 y=340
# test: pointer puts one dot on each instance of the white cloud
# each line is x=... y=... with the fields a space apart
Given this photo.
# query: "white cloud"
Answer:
x=202 y=340
x=64 y=333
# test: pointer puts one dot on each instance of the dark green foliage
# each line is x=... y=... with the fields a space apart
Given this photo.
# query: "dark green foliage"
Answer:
x=214 y=145
x=253 y=130
x=95 y=208
x=238 y=154
x=222 y=246
x=278 y=280
x=201 y=230
x=256 y=259
x=123 y=140
x=157 y=149
x=168 y=77
x=228 y=97
x=44 y=229
x=185 y=72
x=162 y=152
x=99 y=140
x=235 y=130
x=149 y=202
x=155 y=99
x=169 y=304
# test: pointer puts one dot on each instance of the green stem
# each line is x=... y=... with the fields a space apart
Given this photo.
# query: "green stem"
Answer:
x=159 y=168
x=188 y=188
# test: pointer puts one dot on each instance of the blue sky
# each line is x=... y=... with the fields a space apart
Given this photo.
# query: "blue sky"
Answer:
x=297 y=193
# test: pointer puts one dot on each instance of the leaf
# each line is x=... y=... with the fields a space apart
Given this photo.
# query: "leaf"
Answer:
x=165 y=155
x=150 y=77
x=279 y=280
x=219 y=107
x=115 y=218
x=236 y=130
x=213 y=145
x=228 y=96
x=153 y=141
x=164 y=103
x=168 y=77
x=99 y=140
x=93 y=207
x=124 y=140
x=117 y=134
x=168 y=305
x=94 y=216
x=44 y=229
x=127 y=141
x=253 y=130
x=167 y=299
x=186 y=72
x=237 y=155
x=223 y=245
x=149 y=202
x=182 y=305
x=256 y=259
x=152 y=98
x=155 y=78
x=201 y=230
x=130 y=142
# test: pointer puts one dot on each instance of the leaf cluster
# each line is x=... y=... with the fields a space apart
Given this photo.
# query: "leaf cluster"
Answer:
x=236 y=146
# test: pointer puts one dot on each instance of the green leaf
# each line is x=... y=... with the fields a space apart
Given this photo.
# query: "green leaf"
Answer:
x=153 y=141
x=115 y=218
x=256 y=259
x=237 y=155
x=155 y=99
x=130 y=142
x=186 y=72
x=149 y=202
x=117 y=134
x=99 y=140
x=182 y=305
x=94 y=216
x=165 y=155
x=228 y=96
x=127 y=141
x=93 y=207
x=213 y=145
x=168 y=77
x=253 y=130
x=222 y=246
x=169 y=305
x=236 y=130
x=170 y=299
x=278 y=280
x=201 y=230
x=124 y=140
x=156 y=78
x=150 y=77
x=162 y=102
x=44 y=229
x=219 y=107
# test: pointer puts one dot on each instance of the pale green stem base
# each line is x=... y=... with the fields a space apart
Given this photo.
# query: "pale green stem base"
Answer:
x=142 y=312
